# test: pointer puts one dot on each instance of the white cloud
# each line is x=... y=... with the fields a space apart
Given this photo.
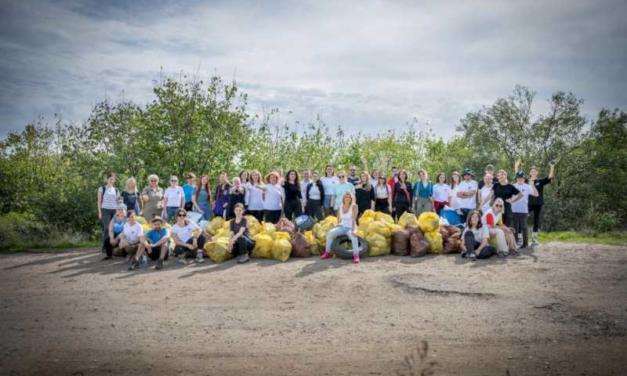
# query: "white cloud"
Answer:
x=366 y=65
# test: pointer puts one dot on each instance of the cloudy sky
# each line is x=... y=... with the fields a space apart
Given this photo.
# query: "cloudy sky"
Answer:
x=365 y=65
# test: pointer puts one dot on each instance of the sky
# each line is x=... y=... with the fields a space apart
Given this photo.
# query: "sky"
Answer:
x=367 y=66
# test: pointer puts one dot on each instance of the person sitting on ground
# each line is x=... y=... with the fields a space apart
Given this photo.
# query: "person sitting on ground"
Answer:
x=116 y=226
x=475 y=238
x=157 y=242
x=131 y=240
x=240 y=244
x=347 y=215
x=188 y=238
x=493 y=219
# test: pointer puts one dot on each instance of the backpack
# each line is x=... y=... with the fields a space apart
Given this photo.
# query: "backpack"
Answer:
x=103 y=189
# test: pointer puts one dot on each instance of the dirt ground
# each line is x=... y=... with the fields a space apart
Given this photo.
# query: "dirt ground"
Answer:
x=560 y=309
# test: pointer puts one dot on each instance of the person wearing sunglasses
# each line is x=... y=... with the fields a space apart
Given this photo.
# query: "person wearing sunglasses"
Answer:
x=152 y=197
x=328 y=182
x=340 y=189
x=188 y=189
x=188 y=238
x=353 y=178
x=173 y=198
x=493 y=219
x=347 y=217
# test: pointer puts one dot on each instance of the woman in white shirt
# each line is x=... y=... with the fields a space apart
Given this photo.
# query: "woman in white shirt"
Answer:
x=108 y=197
x=454 y=201
x=273 y=198
x=130 y=239
x=347 y=215
x=254 y=195
x=328 y=181
x=313 y=195
x=173 y=198
x=484 y=192
x=188 y=238
x=382 y=196
x=475 y=238
x=441 y=193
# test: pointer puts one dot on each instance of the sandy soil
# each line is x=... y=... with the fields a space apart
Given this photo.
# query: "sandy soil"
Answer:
x=560 y=309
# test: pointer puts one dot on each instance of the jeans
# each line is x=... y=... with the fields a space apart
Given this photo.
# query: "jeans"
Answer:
x=537 y=212
x=206 y=208
x=326 y=204
x=242 y=246
x=520 y=226
x=342 y=230
x=107 y=216
x=171 y=212
x=472 y=244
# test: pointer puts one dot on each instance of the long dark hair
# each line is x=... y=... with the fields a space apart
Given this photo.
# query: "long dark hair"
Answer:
x=287 y=177
x=473 y=212
x=207 y=188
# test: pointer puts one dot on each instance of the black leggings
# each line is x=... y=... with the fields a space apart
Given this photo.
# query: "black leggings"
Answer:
x=272 y=216
x=401 y=207
x=313 y=208
x=471 y=244
x=293 y=209
x=200 y=242
x=537 y=212
x=382 y=205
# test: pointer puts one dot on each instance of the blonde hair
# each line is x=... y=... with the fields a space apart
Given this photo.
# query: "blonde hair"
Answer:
x=255 y=172
x=153 y=176
x=129 y=181
x=349 y=195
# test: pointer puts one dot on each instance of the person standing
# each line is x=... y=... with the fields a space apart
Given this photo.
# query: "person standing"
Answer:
x=382 y=196
x=304 y=182
x=188 y=189
x=467 y=194
x=347 y=216
x=152 y=197
x=328 y=181
x=508 y=193
x=340 y=189
x=292 y=206
x=401 y=195
x=273 y=199
x=353 y=178
x=484 y=192
x=364 y=194
x=173 y=198
x=130 y=196
x=536 y=203
x=108 y=196
x=441 y=193
x=237 y=194
x=313 y=196
x=455 y=202
x=520 y=209
x=201 y=198
x=254 y=195
x=423 y=194
x=221 y=196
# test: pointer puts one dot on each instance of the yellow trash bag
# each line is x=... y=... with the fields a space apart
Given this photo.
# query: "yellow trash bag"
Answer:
x=434 y=238
x=222 y=233
x=268 y=229
x=378 y=227
x=368 y=216
x=383 y=217
x=393 y=227
x=215 y=224
x=254 y=227
x=227 y=225
x=322 y=228
x=145 y=227
x=281 y=249
x=216 y=249
x=408 y=219
x=361 y=234
x=279 y=235
x=141 y=220
x=428 y=222
x=263 y=246
x=378 y=245
x=313 y=244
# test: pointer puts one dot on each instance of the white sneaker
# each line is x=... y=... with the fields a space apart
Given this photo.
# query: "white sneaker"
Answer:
x=200 y=259
x=534 y=238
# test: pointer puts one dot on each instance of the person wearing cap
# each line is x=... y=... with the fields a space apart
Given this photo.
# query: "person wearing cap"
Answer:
x=467 y=194
x=130 y=241
x=173 y=198
x=152 y=197
x=423 y=193
x=221 y=196
x=116 y=226
x=157 y=242
x=188 y=238
x=273 y=198
x=520 y=209
x=188 y=189
x=508 y=193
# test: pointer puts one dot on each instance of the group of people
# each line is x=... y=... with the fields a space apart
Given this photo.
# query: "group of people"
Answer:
x=491 y=208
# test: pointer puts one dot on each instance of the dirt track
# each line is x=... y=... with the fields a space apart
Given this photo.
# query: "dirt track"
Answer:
x=558 y=310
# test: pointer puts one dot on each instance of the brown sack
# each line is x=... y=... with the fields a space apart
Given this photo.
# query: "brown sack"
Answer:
x=286 y=225
x=453 y=244
x=418 y=245
x=400 y=243
x=300 y=246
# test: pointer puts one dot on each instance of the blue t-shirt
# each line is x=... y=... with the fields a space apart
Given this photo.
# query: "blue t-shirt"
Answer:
x=188 y=189
x=118 y=225
x=339 y=190
x=154 y=236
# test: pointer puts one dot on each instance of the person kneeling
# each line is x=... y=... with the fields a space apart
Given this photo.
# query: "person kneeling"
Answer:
x=156 y=242
x=188 y=239
x=475 y=238
x=240 y=244
x=131 y=238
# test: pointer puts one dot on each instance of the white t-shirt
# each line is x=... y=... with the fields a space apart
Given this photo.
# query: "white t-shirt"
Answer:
x=468 y=202
x=274 y=197
x=185 y=233
x=441 y=192
x=327 y=184
x=173 y=197
x=520 y=206
x=254 y=197
x=480 y=233
x=132 y=232
x=381 y=191
x=314 y=192
x=455 y=201
x=485 y=193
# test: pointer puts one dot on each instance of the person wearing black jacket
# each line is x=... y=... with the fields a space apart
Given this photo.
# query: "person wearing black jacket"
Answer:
x=314 y=194
x=364 y=194
x=401 y=195
x=292 y=206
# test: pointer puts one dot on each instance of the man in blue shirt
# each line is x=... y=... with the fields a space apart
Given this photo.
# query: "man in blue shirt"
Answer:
x=188 y=189
x=157 y=242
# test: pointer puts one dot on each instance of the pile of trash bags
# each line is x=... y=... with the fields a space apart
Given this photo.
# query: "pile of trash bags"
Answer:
x=411 y=236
